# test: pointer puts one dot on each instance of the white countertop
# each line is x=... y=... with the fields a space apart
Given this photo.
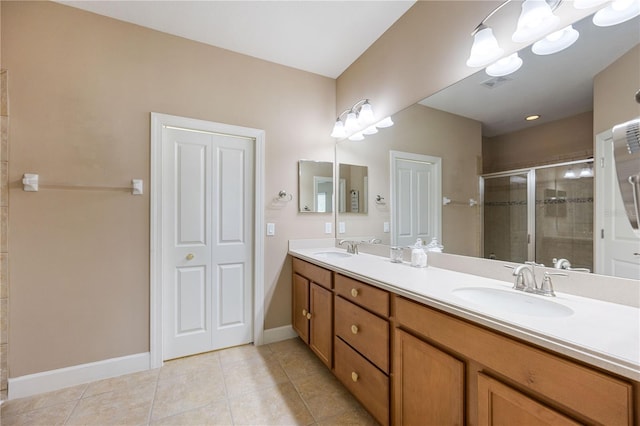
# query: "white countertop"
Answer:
x=602 y=334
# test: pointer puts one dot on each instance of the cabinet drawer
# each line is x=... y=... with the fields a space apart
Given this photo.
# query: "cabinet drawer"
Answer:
x=371 y=298
x=367 y=333
x=589 y=393
x=368 y=384
x=312 y=272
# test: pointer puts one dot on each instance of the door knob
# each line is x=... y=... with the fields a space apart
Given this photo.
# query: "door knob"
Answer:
x=190 y=256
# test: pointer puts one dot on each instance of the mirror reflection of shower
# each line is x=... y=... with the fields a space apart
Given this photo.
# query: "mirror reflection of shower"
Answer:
x=540 y=214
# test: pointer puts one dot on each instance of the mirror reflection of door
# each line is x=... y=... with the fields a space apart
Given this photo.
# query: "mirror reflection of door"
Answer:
x=315 y=186
x=322 y=194
x=416 y=194
x=353 y=195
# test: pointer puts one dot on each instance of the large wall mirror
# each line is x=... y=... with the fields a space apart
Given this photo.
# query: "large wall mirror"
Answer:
x=471 y=124
x=315 y=186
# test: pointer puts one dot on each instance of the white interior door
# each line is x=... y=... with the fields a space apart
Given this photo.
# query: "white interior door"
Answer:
x=207 y=240
x=416 y=198
x=617 y=246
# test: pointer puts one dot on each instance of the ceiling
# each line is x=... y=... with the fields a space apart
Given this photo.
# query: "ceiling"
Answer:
x=553 y=86
x=322 y=37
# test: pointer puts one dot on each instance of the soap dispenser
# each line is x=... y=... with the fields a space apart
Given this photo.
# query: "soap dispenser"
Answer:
x=418 y=255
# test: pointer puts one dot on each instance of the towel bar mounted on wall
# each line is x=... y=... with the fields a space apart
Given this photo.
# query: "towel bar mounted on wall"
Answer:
x=446 y=201
x=31 y=182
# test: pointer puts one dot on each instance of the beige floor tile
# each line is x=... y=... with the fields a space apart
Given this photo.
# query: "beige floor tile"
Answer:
x=49 y=416
x=197 y=365
x=277 y=405
x=243 y=353
x=253 y=374
x=354 y=417
x=217 y=413
x=128 y=407
x=24 y=405
x=122 y=383
x=186 y=393
x=298 y=360
x=324 y=395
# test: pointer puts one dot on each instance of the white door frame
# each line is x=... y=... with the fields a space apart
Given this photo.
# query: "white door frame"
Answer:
x=158 y=121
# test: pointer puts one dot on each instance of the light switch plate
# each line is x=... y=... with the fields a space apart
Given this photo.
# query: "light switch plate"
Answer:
x=327 y=227
x=271 y=229
x=386 y=226
x=342 y=228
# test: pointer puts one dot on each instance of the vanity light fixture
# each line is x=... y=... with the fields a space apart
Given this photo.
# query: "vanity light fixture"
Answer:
x=359 y=121
x=505 y=66
x=556 y=41
x=536 y=20
x=617 y=12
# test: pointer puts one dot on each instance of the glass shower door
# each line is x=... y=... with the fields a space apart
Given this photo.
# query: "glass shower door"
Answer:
x=564 y=214
x=506 y=226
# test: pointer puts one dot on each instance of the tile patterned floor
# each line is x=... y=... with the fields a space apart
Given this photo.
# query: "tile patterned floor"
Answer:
x=278 y=384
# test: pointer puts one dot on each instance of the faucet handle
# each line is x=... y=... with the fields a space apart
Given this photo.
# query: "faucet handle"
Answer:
x=546 y=288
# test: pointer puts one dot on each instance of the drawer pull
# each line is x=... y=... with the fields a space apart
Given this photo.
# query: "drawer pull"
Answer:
x=354 y=329
x=354 y=292
x=304 y=312
x=354 y=376
x=309 y=315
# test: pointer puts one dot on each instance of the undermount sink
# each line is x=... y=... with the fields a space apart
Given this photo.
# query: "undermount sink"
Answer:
x=513 y=301
x=332 y=254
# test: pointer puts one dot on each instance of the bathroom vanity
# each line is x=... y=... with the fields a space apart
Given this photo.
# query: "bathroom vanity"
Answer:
x=413 y=351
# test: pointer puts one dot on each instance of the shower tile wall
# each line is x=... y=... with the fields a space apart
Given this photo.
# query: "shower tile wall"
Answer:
x=4 y=219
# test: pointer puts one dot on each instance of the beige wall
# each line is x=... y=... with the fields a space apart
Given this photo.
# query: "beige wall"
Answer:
x=613 y=92
x=83 y=89
x=562 y=140
x=421 y=130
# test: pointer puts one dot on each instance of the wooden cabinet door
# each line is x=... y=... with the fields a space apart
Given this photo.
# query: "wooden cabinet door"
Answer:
x=428 y=384
x=321 y=333
x=499 y=404
x=300 y=308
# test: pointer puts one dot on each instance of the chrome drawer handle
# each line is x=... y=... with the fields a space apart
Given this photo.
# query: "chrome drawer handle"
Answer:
x=354 y=329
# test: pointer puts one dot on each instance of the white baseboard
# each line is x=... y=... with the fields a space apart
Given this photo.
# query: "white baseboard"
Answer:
x=48 y=381
x=278 y=334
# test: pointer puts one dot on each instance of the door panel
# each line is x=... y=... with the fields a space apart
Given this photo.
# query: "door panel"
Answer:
x=207 y=241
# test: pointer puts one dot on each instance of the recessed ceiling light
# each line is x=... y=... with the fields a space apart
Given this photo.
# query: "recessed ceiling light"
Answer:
x=532 y=117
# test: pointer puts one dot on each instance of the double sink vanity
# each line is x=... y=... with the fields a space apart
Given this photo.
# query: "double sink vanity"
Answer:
x=434 y=345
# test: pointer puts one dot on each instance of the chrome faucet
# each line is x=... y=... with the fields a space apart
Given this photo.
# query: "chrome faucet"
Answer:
x=566 y=265
x=352 y=246
x=526 y=279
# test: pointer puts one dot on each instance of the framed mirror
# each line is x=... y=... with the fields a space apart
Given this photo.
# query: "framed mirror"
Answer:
x=353 y=189
x=315 y=186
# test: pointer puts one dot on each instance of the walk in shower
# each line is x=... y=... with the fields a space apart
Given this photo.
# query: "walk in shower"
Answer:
x=540 y=214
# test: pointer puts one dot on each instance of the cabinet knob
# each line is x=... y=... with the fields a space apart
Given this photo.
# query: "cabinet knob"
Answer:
x=354 y=376
x=354 y=292
x=304 y=312
x=190 y=256
x=308 y=315
x=354 y=329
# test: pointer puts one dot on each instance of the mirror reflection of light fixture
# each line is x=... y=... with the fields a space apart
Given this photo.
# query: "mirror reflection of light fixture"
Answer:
x=384 y=123
x=586 y=172
x=536 y=20
x=587 y=4
x=556 y=41
x=505 y=66
x=359 y=121
x=570 y=174
x=617 y=12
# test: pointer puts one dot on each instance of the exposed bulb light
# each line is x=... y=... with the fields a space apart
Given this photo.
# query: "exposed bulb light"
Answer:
x=358 y=121
x=556 y=41
x=485 y=49
x=384 y=123
x=505 y=66
x=617 y=12
x=587 y=4
x=536 y=20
